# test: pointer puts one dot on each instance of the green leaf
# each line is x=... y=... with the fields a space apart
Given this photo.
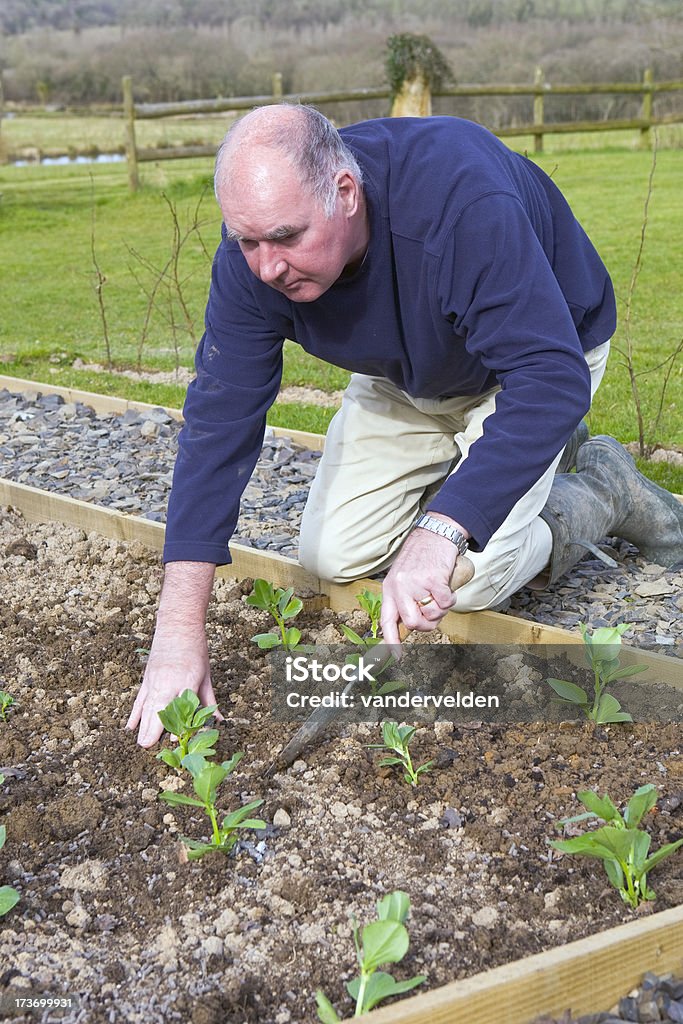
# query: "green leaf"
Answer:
x=387 y=761
x=384 y=942
x=201 y=715
x=605 y=843
x=614 y=873
x=179 y=798
x=9 y=897
x=235 y=818
x=208 y=780
x=262 y=595
x=639 y=851
x=623 y=673
x=381 y=986
x=176 y=717
x=266 y=641
x=390 y=735
x=3 y=835
x=577 y=817
x=352 y=636
x=609 y=710
x=194 y=763
x=326 y=1011
x=391 y=686
x=661 y=853
x=395 y=906
x=195 y=850
x=292 y=637
x=608 y=636
x=232 y=763
x=406 y=732
x=169 y=757
x=570 y=692
x=292 y=608
x=283 y=598
x=642 y=801
x=203 y=743
x=601 y=806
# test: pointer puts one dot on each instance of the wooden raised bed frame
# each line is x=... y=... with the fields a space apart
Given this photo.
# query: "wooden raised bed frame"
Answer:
x=588 y=975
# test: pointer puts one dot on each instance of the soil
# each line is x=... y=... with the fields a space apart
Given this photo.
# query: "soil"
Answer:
x=112 y=915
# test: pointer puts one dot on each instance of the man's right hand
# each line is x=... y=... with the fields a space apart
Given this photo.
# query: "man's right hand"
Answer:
x=179 y=658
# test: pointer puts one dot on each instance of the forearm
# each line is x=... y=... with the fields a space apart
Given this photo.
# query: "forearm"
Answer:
x=185 y=596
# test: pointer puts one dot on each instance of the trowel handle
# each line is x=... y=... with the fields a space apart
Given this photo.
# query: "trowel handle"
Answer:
x=463 y=572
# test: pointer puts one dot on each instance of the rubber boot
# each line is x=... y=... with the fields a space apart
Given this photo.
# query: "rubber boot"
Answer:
x=606 y=497
x=571 y=450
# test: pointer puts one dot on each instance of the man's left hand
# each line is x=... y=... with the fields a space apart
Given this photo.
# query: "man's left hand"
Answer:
x=423 y=569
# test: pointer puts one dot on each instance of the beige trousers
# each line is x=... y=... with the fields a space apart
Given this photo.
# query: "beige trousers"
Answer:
x=386 y=454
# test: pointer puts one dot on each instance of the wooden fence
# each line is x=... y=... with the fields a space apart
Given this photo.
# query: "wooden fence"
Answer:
x=538 y=127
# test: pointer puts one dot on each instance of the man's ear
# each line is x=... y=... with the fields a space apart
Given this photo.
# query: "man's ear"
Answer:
x=349 y=191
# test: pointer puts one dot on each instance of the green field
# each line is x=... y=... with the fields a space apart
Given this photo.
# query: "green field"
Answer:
x=49 y=313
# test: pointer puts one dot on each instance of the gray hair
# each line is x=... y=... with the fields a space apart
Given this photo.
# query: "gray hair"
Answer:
x=304 y=135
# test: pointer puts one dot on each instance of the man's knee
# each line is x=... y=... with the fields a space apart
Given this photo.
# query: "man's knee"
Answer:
x=323 y=560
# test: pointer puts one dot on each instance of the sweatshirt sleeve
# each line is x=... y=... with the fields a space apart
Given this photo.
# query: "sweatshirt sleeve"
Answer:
x=239 y=367
x=497 y=286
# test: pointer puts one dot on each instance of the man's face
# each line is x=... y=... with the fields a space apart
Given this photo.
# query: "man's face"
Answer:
x=286 y=238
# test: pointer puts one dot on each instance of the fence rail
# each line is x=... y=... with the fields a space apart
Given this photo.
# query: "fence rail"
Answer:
x=647 y=89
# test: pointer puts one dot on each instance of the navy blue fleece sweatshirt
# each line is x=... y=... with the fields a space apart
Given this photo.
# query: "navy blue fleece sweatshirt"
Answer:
x=477 y=274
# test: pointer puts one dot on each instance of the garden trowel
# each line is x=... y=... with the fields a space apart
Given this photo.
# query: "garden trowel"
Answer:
x=377 y=659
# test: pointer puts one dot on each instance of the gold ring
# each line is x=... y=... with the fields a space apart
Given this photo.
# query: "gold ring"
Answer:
x=427 y=599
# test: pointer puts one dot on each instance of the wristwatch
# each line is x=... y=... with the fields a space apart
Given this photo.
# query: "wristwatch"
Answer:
x=457 y=537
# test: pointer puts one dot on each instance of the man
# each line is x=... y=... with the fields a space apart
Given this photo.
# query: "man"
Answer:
x=450 y=275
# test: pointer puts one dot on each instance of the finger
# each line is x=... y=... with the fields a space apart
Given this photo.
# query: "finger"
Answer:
x=136 y=710
x=389 y=620
x=443 y=598
x=208 y=697
x=151 y=727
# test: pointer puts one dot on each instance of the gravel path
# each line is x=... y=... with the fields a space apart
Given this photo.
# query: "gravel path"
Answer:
x=126 y=461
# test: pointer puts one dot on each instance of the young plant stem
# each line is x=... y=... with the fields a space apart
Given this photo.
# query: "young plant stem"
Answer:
x=100 y=278
x=364 y=977
x=213 y=815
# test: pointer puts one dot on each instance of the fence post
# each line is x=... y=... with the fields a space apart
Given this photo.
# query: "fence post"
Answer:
x=129 y=118
x=539 y=97
x=277 y=87
x=646 y=111
x=2 y=111
x=414 y=99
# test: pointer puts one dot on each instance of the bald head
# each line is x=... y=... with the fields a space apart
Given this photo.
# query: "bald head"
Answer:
x=300 y=135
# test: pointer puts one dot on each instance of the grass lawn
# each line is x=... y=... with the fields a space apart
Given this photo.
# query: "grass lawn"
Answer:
x=49 y=312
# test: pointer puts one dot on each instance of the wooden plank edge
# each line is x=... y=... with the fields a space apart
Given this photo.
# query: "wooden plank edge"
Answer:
x=588 y=975
x=39 y=506
x=462 y=627
x=112 y=403
x=495 y=628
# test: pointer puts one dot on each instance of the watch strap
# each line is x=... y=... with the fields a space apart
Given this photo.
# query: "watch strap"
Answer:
x=455 y=536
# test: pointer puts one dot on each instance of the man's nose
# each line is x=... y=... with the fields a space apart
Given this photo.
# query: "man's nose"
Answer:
x=271 y=265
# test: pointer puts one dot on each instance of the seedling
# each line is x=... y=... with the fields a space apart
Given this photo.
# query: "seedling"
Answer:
x=619 y=844
x=184 y=718
x=372 y=605
x=282 y=605
x=8 y=896
x=384 y=941
x=206 y=778
x=397 y=739
x=602 y=656
x=6 y=702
